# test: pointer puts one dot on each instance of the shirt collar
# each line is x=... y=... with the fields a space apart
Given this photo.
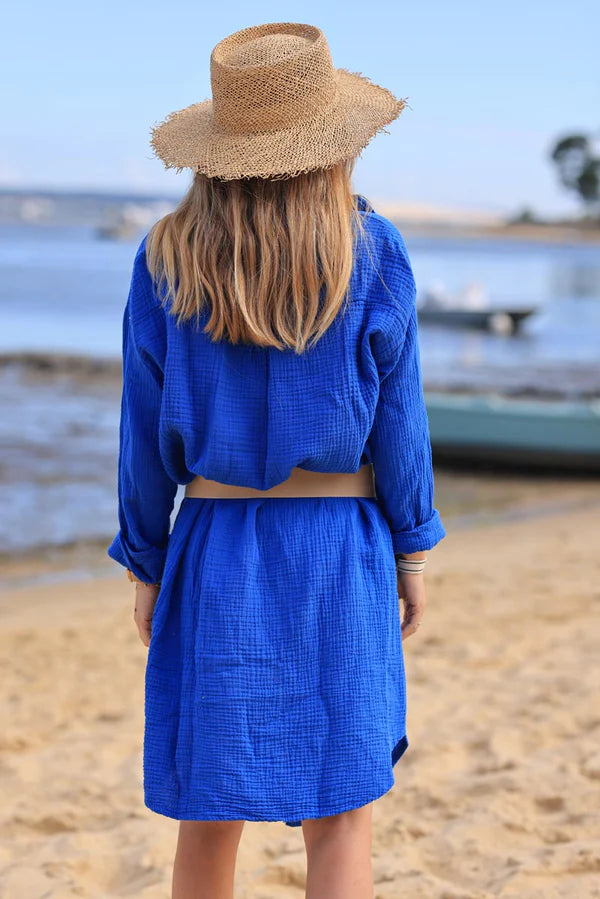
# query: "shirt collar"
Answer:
x=362 y=203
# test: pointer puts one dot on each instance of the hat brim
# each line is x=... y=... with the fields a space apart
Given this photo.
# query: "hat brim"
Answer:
x=189 y=137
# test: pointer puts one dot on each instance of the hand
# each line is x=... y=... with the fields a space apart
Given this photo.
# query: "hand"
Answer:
x=411 y=590
x=145 y=600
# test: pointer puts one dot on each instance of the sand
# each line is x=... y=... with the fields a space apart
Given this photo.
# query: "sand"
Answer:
x=470 y=222
x=498 y=793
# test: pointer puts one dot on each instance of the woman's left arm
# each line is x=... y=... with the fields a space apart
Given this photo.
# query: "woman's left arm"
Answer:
x=399 y=439
x=146 y=493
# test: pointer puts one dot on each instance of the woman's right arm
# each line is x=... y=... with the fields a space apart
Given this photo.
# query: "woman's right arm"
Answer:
x=146 y=493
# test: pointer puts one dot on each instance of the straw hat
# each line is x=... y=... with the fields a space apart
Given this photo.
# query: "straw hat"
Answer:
x=278 y=108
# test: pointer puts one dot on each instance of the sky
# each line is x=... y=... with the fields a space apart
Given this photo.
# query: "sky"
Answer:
x=489 y=88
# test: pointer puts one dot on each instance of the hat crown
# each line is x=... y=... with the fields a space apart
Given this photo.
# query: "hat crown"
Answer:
x=268 y=77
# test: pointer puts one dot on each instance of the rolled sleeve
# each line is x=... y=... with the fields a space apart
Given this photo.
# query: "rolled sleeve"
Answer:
x=146 y=493
x=399 y=441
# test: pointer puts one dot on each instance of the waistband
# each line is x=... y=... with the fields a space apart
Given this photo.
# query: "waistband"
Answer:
x=301 y=482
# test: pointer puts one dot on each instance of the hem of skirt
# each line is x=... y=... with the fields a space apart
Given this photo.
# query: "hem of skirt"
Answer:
x=398 y=750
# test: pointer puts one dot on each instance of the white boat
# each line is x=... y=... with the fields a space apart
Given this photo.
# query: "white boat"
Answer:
x=470 y=309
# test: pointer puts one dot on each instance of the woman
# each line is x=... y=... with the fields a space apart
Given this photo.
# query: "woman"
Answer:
x=271 y=364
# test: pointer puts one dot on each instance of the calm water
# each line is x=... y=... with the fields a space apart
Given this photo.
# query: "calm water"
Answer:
x=62 y=290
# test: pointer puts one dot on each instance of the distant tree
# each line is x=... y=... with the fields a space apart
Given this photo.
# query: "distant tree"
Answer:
x=579 y=168
x=525 y=216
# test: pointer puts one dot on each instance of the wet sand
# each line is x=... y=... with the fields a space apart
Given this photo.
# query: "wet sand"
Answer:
x=497 y=795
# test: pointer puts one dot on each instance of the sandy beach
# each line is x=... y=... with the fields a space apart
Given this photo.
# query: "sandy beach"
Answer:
x=497 y=795
x=471 y=222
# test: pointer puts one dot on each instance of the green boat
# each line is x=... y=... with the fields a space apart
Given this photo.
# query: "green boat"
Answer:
x=542 y=433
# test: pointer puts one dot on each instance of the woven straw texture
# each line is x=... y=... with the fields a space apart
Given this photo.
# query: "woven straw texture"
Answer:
x=278 y=108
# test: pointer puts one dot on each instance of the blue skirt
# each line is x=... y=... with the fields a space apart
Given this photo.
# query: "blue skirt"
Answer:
x=275 y=683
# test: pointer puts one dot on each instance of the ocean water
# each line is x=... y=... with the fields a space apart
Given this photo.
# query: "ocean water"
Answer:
x=62 y=293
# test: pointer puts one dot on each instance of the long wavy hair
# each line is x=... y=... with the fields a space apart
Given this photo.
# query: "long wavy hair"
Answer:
x=271 y=258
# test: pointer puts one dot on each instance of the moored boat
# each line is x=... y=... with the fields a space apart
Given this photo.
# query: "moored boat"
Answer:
x=532 y=431
x=471 y=308
x=498 y=321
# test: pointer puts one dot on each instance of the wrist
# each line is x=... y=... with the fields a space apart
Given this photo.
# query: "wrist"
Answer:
x=136 y=580
x=413 y=563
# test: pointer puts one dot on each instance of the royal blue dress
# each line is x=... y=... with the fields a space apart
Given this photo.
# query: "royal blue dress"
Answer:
x=275 y=682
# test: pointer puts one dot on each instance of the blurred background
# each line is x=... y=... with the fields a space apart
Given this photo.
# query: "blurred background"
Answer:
x=492 y=175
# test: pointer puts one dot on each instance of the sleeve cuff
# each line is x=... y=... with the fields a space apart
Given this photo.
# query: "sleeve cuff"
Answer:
x=146 y=564
x=423 y=537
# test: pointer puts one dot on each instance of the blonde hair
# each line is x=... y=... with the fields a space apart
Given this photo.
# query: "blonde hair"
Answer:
x=260 y=252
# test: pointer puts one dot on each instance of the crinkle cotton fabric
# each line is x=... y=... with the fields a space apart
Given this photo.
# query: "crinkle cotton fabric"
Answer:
x=275 y=683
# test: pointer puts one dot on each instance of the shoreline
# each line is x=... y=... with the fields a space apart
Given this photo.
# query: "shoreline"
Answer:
x=468 y=500
x=532 y=233
x=97 y=370
x=481 y=226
